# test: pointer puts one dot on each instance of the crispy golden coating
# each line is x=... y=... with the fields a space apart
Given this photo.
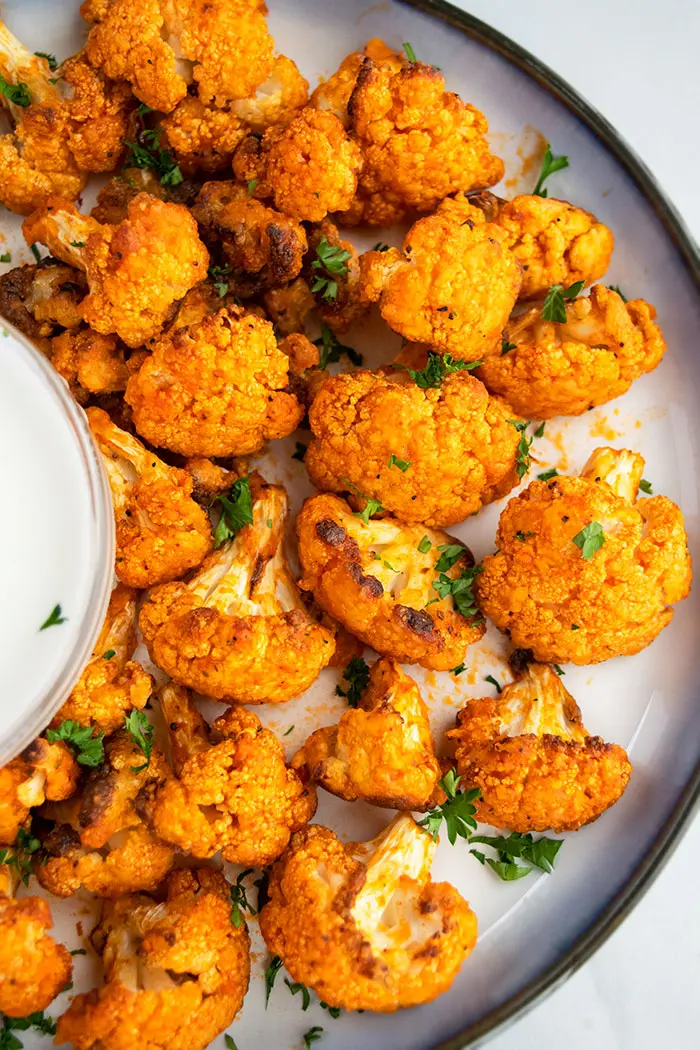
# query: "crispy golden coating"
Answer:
x=112 y=684
x=214 y=388
x=334 y=94
x=309 y=167
x=452 y=286
x=382 y=751
x=419 y=142
x=238 y=630
x=456 y=438
x=33 y=967
x=277 y=100
x=288 y=306
x=613 y=602
x=528 y=752
x=90 y=363
x=347 y=305
x=233 y=792
x=362 y=924
x=565 y=369
x=202 y=138
x=113 y=200
x=161 y=531
x=99 y=111
x=135 y=270
x=374 y=580
x=42 y=299
x=42 y=771
x=176 y=973
x=210 y=479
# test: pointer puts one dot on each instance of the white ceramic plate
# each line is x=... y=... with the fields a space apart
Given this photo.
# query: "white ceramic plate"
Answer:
x=532 y=932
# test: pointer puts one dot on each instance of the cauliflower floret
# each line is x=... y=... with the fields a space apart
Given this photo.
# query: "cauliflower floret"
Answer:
x=90 y=363
x=238 y=630
x=33 y=967
x=202 y=138
x=309 y=167
x=35 y=158
x=334 y=94
x=214 y=388
x=362 y=924
x=583 y=572
x=382 y=751
x=458 y=442
x=377 y=580
x=99 y=110
x=112 y=684
x=176 y=972
x=453 y=284
x=288 y=306
x=528 y=752
x=98 y=841
x=277 y=99
x=135 y=270
x=565 y=369
x=160 y=47
x=42 y=771
x=419 y=142
x=161 y=531
x=40 y=300
x=232 y=791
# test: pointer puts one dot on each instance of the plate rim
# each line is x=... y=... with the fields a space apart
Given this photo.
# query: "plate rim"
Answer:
x=610 y=917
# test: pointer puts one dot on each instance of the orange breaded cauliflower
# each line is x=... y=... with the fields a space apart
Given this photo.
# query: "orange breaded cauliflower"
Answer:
x=362 y=924
x=458 y=442
x=382 y=751
x=221 y=46
x=564 y=369
x=238 y=630
x=42 y=771
x=452 y=285
x=202 y=138
x=161 y=531
x=215 y=388
x=135 y=270
x=288 y=307
x=334 y=94
x=99 y=111
x=583 y=572
x=176 y=972
x=419 y=142
x=33 y=967
x=377 y=580
x=277 y=100
x=35 y=157
x=98 y=841
x=528 y=753
x=112 y=684
x=309 y=167
x=232 y=792
x=41 y=300
x=90 y=363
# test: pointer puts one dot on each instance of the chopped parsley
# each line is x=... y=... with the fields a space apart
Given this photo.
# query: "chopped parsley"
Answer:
x=229 y=1042
x=252 y=186
x=288 y=731
x=236 y=512
x=616 y=288
x=271 y=971
x=333 y=261
x=506 y=347
x=540 y=430
x=494 y=682
x=18 y=94
x=522 y=536
x=575 y=627
x=143 y=110
x=410 y=53
x=334 y=1011
x=356 y=674
x=54 y=619
x=216 y=275
x=300 y=452
x=331 y=350
x=537 y=853
x=109 y=654
x=312 y=1036
x=459 y=669
x=38 y=1020
x=462 y=591
x=78 y=951
x=77 y=244
x=553 y=308
x=522 y=459
x=6 y=257
x=51 y=59
x=645 y=486
x=25 y=845
x=380 y=247
x=550 y=164
x=451 y=553
x=140 y=731
x=547 y=475
x=438 y=366
x=35 y=252
x=372 y=506
x=558 y=670
x=424 y=545
x=457 y=811
x=239 y=899
x=87 y=748
x=402 y=464
x=296 y=988
x=590 y=539
x=148 y=153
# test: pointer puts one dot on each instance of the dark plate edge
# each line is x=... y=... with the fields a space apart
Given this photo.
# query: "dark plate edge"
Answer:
x=668 y=838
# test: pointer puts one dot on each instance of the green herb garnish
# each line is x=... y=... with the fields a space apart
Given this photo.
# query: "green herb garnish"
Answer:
x=645 y=486
x=331 y=350
x=54 y=619
x=457 y=812
x=506 y=347
x=616 y=288
x=252 y=186
x=296 y=988
x=356 y=674
x=109 y=654
x=87 y=748
x=522 y=459
x=140 y=731
x=590 y=539
x=438 y=366
x=497 y=685
x=462 y=591
x=402 y=464
x=372 y=506
x=18 y=94
x=410 y=53
x=547 y=475
x=333 y=260
x=51 y=59
x=538 y=853
x=147 y=153
x=312 y=1036
x=236 y=512
x=239 y=899
x=25 y=845
x=550 y=164
x=424 y=545
x=271 y=971
x=553 y=308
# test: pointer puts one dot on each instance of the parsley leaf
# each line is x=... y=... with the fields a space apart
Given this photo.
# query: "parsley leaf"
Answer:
x=300 y=452
x=236 y=512
x=522 y=536
x=51 y=59
x=506 y=347
x=540 y=430
x=539 y=853
x=550 y=164
x=252 y=186
x=380 y=247
x=295 y=988
x=356 y=674
x=332 y=350
x=616 y=288
x=239 y=899
x=334 y=1011
x=79 y=951
x=451 y=553
x=458 y=669
x=312 y=1036
x=271 y=971
x=457 y=812
x=553 y=308
x=333 y=260
x=372 y=506
x=522 y=459
x=489 y=678
x=645 y=486
x=424 y=545
x=88 y=749
x=109 y=654
x=547 y=475
x=35 y=252
x=25 y=845
x=38 y=1020
x=590 y=539
x=140 y=731
x=462 y=591
x=54 y=619
x=215 y=276
x=148 y=153
x=558 y=670
x=229 y=1042
x=143 y=110
x=410 y=53
x=438 y=366
x=402 y=464
x=18 y=94
x=6 y=257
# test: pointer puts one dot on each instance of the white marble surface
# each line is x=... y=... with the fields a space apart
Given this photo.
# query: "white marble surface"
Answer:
x=638 y=64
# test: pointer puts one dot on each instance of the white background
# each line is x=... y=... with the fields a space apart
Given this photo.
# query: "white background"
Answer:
x=637 y=62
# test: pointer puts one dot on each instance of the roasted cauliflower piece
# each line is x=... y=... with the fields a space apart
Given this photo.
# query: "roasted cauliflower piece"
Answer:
x=90 y=363
x=99 y=111
x=135 y=270
x=419 y=142
x=42 y=771
x=41 y=300
x=377 y=580
x=527 y=751
x=381 y=751
x=583 y=572
x=34 y=969
x=176 y=972
x=221 y=46
x=238 y=630
x=334 y=94
x=112 y=684
x=215 y=388
x=457 y=440
x=277 y=100
x=161 y=531
x=289 y=306
x=202 y=138
x=310 y=167
x=362 y=924
x=565 y=369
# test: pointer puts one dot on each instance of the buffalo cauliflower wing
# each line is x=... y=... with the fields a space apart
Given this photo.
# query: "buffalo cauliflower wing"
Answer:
x=34 y=969
x=362 y=924
x=214 y=388
x=161 y=531
x=528 y=753
x=334 y=94
x=202 y=138
x=238 y=630
x=42 y=299
x=112 y=684
x=398 y=588
x=457 y=441
x=558 y=369
x=277 y=100
x=381 y=751
x=99 y=111
x=582 y=572
x=42 y=771
x=288 y=307
x=175 y=971
x=452 y=285
x=232 y=792
x=90 y=363
x=135 y=271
